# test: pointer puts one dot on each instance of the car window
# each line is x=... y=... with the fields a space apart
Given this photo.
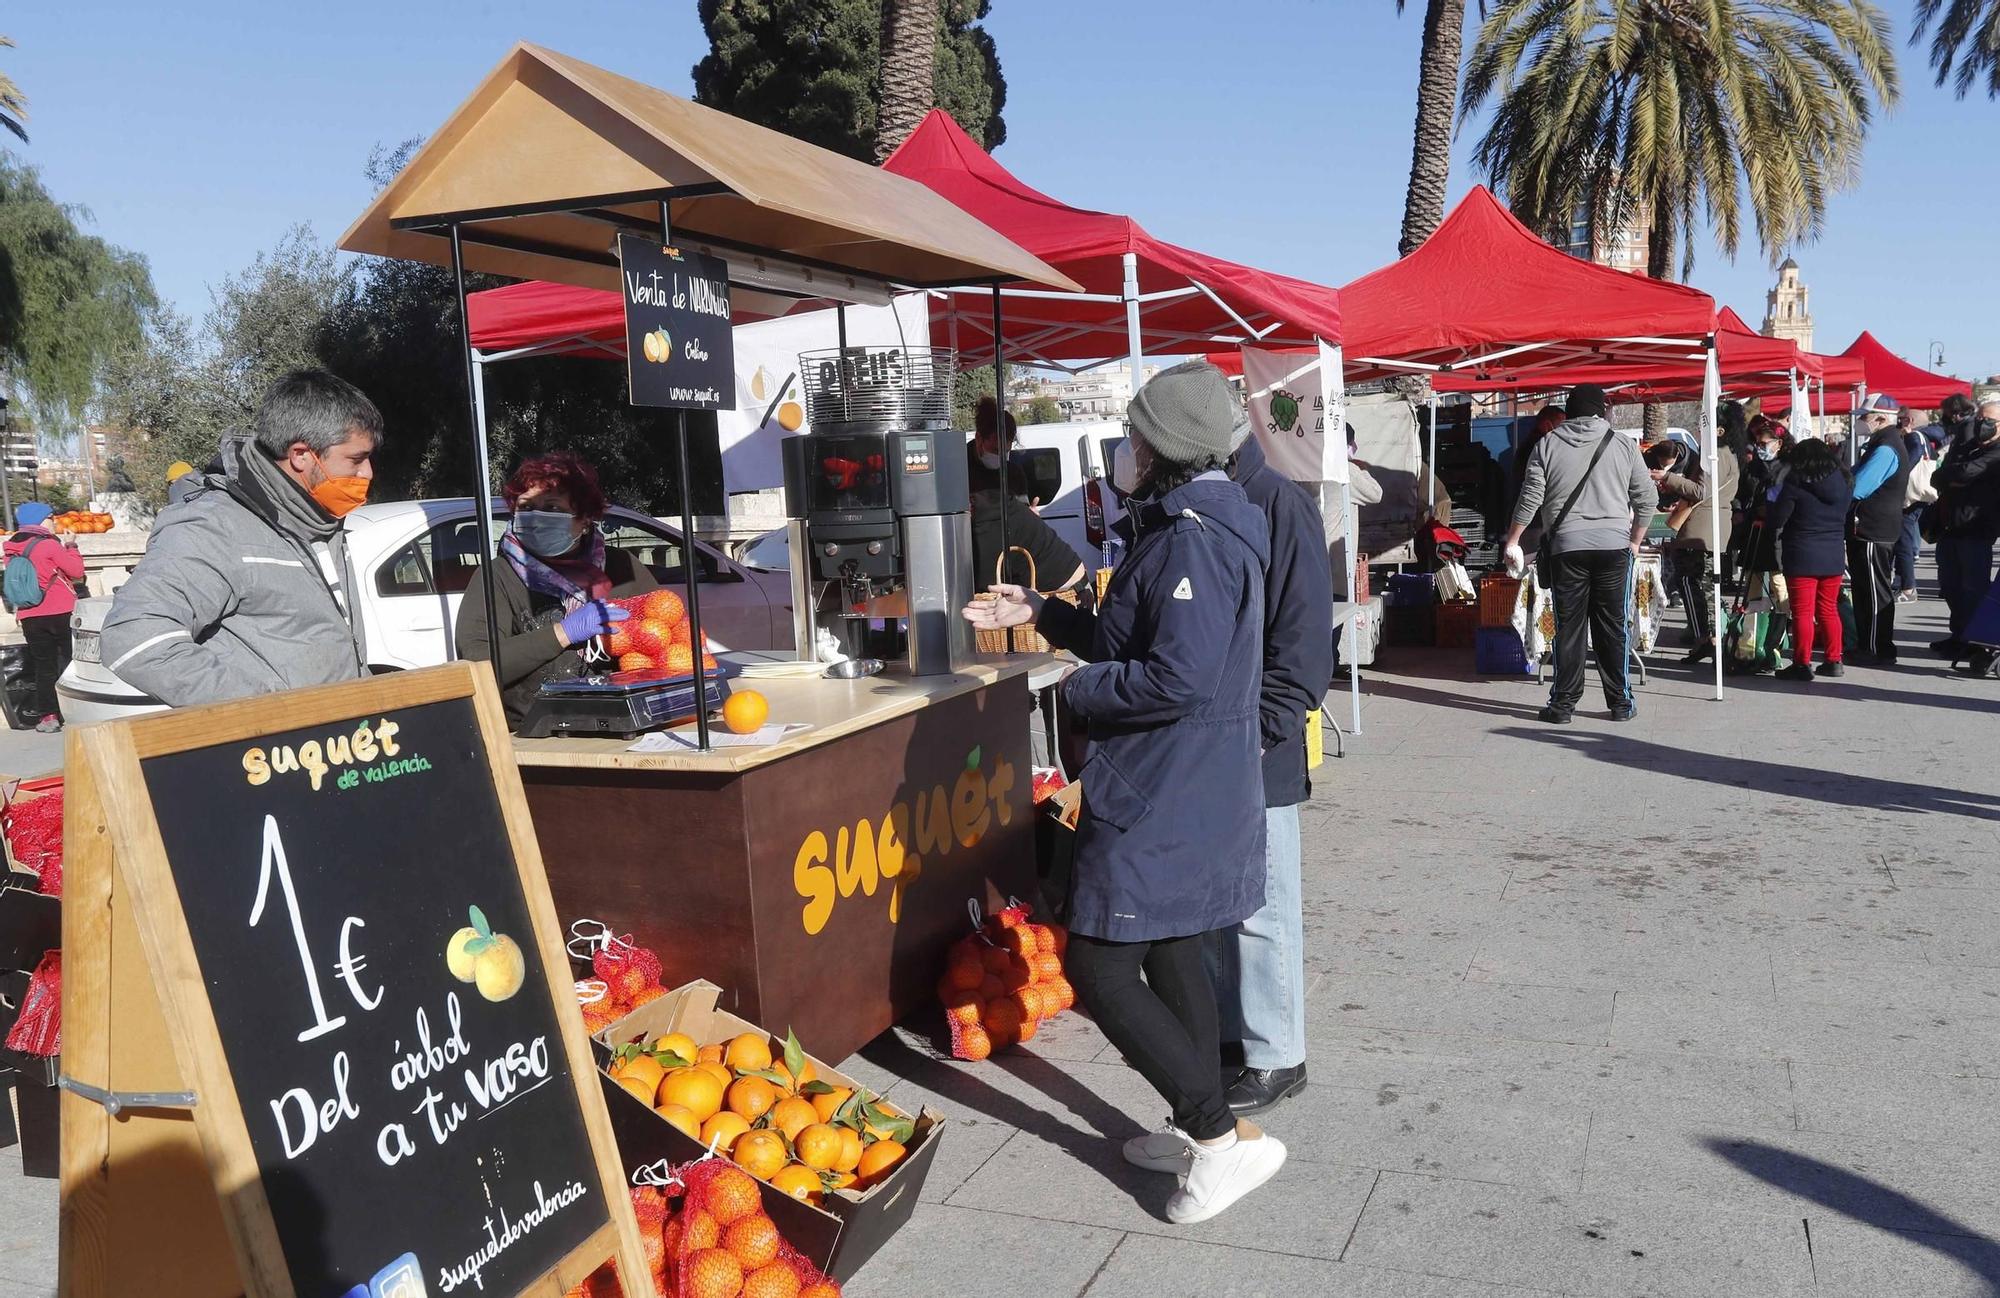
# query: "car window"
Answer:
x=771 y=551
x=1041 y=466
x=444 y=560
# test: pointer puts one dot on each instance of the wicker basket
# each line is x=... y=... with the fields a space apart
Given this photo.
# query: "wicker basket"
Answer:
x=1024 y=639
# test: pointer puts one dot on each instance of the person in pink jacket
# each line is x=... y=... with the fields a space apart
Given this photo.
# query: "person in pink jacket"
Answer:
x=45 y=625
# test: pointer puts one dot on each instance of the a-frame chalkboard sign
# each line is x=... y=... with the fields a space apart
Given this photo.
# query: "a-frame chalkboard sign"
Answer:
x=314 y=931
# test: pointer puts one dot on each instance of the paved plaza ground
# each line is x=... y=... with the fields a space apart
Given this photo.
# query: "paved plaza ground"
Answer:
x=1707 y=1004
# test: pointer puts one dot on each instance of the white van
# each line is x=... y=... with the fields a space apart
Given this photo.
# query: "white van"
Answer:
x=1061 y=461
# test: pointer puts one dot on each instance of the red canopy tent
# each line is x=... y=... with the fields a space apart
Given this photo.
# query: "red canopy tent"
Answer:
x=541 y=318
x=1883 y=371
x=1141 y=294
x=1750 y=364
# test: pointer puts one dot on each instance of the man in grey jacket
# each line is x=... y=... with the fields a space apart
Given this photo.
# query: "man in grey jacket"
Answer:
x=1595 y=498
x=241 y=588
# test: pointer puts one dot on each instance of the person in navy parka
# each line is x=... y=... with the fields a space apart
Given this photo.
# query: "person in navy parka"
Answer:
x=1170 y=846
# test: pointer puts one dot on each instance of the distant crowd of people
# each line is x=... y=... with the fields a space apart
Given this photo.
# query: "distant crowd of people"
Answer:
x=1814 y=542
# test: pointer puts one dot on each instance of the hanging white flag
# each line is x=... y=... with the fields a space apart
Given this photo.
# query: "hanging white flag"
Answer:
x=1289 y=403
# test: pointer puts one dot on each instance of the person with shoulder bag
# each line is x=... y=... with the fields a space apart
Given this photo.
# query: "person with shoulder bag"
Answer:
x=1917 y=493
x=1875 y=528
x=1966 y=517
x=38 y=582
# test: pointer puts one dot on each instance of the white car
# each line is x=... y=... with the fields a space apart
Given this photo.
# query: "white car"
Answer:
x=412 y=562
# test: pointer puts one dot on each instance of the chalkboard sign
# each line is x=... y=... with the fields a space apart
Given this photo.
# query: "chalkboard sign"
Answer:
x=679 y=349
x=343 y=902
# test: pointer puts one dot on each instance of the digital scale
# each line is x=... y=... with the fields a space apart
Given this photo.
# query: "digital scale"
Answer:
x=616 y=703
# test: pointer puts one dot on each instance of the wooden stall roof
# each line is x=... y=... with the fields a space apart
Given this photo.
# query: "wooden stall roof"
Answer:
x=550 y=157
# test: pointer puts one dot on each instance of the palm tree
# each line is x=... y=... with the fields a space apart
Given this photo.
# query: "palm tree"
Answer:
x=13 y=104
x=1665 y=110
x=1968 y=34
x=909 y=69
x=1430 y=152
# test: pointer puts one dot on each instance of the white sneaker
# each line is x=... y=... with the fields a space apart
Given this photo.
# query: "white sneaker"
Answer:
x=1165 y=1150
x=1219 y=1177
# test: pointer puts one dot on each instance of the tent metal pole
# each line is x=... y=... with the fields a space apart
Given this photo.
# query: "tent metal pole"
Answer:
x=1134 y=345
x=1430 y=465
x=690 y=556
x=1333 y=387
x=840 y=323
x=482 y=473
x=1000 y=431
x=1711 y=393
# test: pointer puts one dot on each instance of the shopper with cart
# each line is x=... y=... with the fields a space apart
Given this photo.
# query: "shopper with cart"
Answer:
x=1170 y=847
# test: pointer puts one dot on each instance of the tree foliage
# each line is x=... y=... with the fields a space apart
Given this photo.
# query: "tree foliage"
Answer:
x=1667 y=110
x=1041 y=410
x=13 y=104
x=68 y=300
x=812 y=69
x=1968 y=37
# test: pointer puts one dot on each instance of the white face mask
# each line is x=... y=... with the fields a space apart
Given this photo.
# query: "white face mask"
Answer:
x=1767 y=451
x=1124 y=468
x=991 y=459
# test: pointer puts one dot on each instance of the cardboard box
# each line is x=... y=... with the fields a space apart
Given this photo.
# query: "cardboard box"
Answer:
x=839 y=1237
x=16 y=790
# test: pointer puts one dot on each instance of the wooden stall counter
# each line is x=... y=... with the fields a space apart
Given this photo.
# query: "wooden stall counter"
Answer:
x=817 y=879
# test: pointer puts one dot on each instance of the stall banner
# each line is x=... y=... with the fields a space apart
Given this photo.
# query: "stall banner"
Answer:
x=679 y=349
x=1290 y=394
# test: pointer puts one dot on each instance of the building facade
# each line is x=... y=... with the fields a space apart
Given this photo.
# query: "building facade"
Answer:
x=1787 y=312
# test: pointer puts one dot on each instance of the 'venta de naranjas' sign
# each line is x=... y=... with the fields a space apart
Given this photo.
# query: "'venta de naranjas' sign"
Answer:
x=680 y=351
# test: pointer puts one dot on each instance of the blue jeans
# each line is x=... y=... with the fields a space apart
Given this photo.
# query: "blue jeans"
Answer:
x=1965 y=570
x=1259 y=966
x=1906 y=550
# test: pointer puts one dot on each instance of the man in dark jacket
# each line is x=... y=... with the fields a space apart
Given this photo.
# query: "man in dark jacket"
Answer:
x=1968 y=487
x=1595 y=498
x=1260 y=967
x=1879 y=484
x=1052 y=563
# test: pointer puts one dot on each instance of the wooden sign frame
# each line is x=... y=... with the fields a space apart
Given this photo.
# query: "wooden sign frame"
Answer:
x=143 y=1189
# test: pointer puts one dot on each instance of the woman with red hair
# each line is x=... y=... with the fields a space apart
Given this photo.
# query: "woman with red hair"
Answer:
x=554 y=581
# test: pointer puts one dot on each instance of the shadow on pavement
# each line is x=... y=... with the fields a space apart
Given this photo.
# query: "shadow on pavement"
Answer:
x=1771 y=777
x=1396 y=689
x=1868 y=1202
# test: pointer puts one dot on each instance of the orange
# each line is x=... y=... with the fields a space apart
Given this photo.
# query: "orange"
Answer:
x=694 y=1090
x=991 y=988
x=662 y=606
x=712 y=1273
x=638 y=1087
x=732 y=1196
x=998 y=960
x=793 y=1115
x=824 y=1289
x=1034 y=1006
x=877 y=1159
x=1020 y=941
x=744 y=711
x=753 y=1241
x=965 y=971
x=642 y=1069
x=849 y=1157
x=679 y=1116
x=720 y=1072
x=749 y=1053
x=760 y=1153
x=752 y=1097
x=818 y=1145
x=800 y=1181
x=678 y=1043
x=828 y=1103
x=1064 y=992
x=975 y=1042
x=1028 y=1029
x=963 y=1006
x=720 y=1132
x=844 y=1181
x=791 y=1084
x=1002 y=1017
x=1047 y=966
x=699 y=1230
x=776 y=1280
x=709 y=1054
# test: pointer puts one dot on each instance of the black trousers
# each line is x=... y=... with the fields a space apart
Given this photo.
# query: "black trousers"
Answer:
x=48 y=654
x=1871 y=573
x=1165 y=1025
x=1593 y=591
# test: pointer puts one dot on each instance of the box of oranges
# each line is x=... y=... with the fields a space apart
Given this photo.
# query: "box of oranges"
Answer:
x=838 y=1167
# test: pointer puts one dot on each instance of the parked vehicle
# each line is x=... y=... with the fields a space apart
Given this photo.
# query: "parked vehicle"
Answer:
x=412 y=562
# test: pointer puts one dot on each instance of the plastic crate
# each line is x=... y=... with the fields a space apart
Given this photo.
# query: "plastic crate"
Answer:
x=1456 y=625
x=1497 y=651
x=1498 y=598
x=1410 y=624
x=1410 y=589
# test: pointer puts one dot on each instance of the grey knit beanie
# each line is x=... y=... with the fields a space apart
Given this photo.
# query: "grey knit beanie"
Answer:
x=1187 y=414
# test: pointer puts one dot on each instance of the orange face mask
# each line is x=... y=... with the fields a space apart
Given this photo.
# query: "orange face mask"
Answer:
x=339 y=496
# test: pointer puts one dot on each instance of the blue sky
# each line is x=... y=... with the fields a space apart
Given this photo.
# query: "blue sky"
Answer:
x=1275 y=132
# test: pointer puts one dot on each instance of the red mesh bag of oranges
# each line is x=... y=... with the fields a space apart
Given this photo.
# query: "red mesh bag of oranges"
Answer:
x=1002 y=982
x=626 y=975
x=706 y=1235
x=657 y=637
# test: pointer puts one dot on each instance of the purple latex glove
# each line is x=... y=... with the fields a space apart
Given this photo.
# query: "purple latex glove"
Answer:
x=589 y=619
